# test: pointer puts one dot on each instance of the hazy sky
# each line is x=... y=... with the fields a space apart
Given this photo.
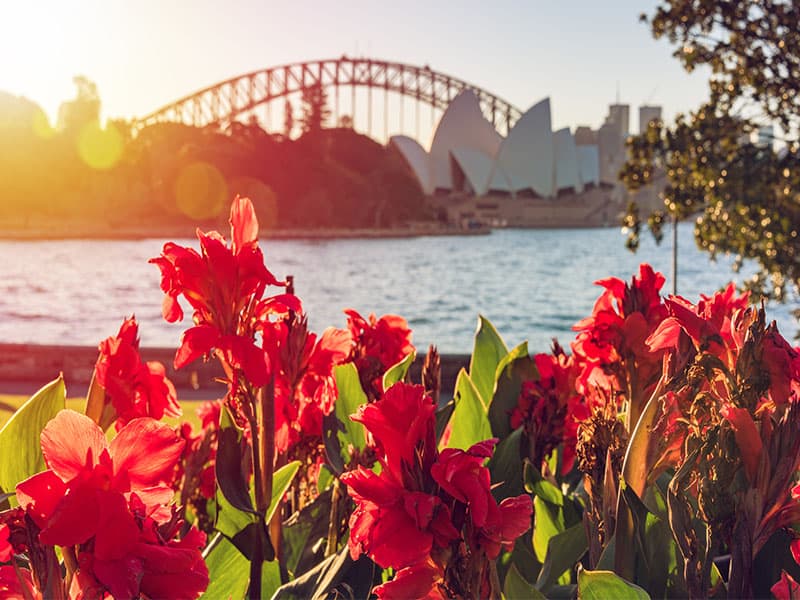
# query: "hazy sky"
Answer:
x=145 y=53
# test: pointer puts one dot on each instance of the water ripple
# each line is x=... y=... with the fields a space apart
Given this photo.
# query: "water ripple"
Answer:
x=533 y=284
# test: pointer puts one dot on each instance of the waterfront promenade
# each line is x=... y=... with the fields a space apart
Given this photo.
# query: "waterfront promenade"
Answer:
x=24 y=368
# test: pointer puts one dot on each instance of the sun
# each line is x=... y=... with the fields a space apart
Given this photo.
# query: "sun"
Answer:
x=39 y=42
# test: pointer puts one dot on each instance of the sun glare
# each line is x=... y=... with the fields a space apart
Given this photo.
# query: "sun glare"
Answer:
x=39 y=42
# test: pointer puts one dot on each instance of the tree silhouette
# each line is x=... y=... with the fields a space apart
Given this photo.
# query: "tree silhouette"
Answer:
x=84 y=109
x=315 y=108
x=288 y=118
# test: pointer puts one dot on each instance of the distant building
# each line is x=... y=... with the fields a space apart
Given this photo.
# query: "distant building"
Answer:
x=647 y=114
x=619 y=116
x=468 y=156
x=550 y=178
x=585 y=136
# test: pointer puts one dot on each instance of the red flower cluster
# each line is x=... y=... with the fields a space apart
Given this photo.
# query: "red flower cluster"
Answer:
x=305 y=388
x=427 y=512
x=731 y=377
x=611 y=342
x=224 y=285
x=133 y=388
x=107 y=506
x=379 y=343
x=550 y=409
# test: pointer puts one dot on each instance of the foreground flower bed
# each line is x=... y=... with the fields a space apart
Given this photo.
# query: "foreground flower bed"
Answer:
x=656 y=457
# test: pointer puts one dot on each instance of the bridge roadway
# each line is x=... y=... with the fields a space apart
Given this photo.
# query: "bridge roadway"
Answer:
x=24 y=368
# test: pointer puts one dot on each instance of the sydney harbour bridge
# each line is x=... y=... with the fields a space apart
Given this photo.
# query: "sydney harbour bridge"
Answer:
x=358 y=85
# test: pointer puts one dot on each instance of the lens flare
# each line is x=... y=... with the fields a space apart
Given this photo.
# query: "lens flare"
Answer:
x=100 y=148
x=200 y=191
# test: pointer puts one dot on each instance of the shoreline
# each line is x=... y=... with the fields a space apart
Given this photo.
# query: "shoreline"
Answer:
x=180 y=232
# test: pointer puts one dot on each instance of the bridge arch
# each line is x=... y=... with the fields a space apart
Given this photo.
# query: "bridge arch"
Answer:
x=223 y=102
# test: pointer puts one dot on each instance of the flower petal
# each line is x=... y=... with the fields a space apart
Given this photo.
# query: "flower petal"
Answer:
x=74 y=520
x=68 y=441
x=244 y=224
x=147 y=452
x=195 y=342
x=39 y=496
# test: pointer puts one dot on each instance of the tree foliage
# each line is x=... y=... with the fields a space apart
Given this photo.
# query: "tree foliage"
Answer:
x=315 y=111
x=745 y=192
x=84 y=109
x=327 y=178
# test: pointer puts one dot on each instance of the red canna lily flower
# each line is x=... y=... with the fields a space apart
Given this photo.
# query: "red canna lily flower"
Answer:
x=708 y=324
x=6 y=551
x=427 y=514
x=305 y=388
x=394 y=527
x=550 y=408
x=418 y=581
x=224 y=286
x=70 y=499
x=17 y=584
x=786 y=588
x=379 y=343
x=611 y=343
x=463 y=476
x=132 y=387
x=109 y=501
x=402 y=424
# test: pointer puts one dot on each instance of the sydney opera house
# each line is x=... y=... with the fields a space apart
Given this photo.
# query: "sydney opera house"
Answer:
x=533 y=177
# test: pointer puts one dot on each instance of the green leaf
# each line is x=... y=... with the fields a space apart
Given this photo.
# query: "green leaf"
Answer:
x=231 y=522
x=548 y=522
x=304 y=534
x=489 y=350
x=514 y=368
x=328 y=577
x=505 y=466
x=351 y=396
x=228 y=570
x=523 y=557
x=539 y=486
x=20 y=445
x=324 y=479
x=656 y=551
x=563 y=551
x=398 y=371
x=443 y=416
x=228 y=468
x=601 y=585
x=517 y=587
x=241 y=527
x=469 y=423
x=270 y=578
x=281 y=480
x=331 y=429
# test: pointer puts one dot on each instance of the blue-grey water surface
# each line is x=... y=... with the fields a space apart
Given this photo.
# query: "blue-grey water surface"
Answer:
x=532 y=284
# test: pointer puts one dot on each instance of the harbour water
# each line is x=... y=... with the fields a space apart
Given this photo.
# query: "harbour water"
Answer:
x=532 y=284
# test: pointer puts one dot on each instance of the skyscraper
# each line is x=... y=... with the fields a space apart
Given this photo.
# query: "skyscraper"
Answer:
x=619 y=116
x=647 y=114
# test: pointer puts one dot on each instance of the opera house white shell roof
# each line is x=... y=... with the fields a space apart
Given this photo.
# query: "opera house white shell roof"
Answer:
x=467 y=154
x=417 y=158
x=462 y=126
x=527 y=155
x=567 y=173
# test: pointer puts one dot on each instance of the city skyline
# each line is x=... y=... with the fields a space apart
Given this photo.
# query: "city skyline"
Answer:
x=584 y=57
